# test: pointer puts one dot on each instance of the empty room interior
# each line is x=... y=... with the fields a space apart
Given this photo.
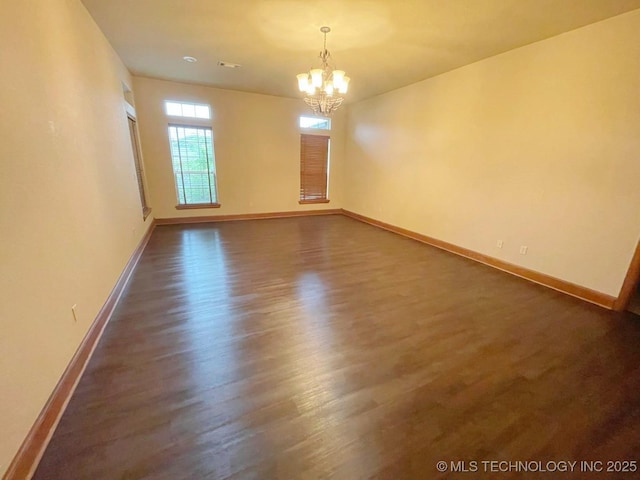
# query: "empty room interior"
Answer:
x=303 y=239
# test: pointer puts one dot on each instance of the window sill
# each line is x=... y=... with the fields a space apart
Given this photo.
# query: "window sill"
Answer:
x=319 y=200
x=145 y=213
x=193 y=206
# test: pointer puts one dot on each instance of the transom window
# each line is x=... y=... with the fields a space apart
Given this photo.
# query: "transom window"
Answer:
x=194 y=167
x=315 y=122
x=188 y=110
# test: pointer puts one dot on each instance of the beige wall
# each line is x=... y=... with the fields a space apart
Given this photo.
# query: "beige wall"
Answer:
x=256 y=143
x=538 y=146
x=69 y=208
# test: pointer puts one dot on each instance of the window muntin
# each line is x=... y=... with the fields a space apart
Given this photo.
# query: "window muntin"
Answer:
x=193 y=162
x=187 y=110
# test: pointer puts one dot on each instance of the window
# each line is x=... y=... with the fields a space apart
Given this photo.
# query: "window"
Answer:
x=314 y=168
x=135 y=146
x=194 y=167
x=316 y=123
x=189 y=110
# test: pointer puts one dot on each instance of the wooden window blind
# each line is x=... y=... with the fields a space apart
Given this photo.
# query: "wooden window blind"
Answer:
x=314 y=168
x=135 y=145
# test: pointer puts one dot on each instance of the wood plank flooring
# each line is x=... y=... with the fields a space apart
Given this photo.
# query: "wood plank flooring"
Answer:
x=321 y=347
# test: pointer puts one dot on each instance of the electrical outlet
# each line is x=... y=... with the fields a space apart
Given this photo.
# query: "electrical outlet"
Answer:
x=73 y=311
x=499 y=243
x=523 y=250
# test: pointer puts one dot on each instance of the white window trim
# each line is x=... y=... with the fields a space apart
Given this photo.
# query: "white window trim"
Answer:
x=188 y=121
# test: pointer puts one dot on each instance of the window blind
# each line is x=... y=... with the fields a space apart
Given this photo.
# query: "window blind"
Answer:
x=314 y=168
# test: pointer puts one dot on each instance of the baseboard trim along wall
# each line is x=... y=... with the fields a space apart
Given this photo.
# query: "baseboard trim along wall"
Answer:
x=31 y=450
x=28 y=456
x=629 y=283
x=246 y=216
x=26 y=460
x=584 y=293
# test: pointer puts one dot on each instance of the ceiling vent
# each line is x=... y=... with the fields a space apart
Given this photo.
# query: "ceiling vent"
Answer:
x=228 y=64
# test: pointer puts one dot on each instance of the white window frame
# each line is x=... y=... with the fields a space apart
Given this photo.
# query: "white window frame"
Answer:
x=192 y=122
x=187 y=104
x=313 y=129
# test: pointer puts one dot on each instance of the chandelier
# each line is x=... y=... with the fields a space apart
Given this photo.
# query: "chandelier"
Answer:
x=323 y=86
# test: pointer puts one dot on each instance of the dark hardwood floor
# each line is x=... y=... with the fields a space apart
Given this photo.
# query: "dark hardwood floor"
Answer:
x=321 y=347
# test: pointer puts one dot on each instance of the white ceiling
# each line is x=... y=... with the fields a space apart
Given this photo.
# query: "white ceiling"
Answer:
x=382 y=44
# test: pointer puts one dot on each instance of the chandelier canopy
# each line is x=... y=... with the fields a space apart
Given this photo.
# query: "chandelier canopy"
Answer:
x=324 y=86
